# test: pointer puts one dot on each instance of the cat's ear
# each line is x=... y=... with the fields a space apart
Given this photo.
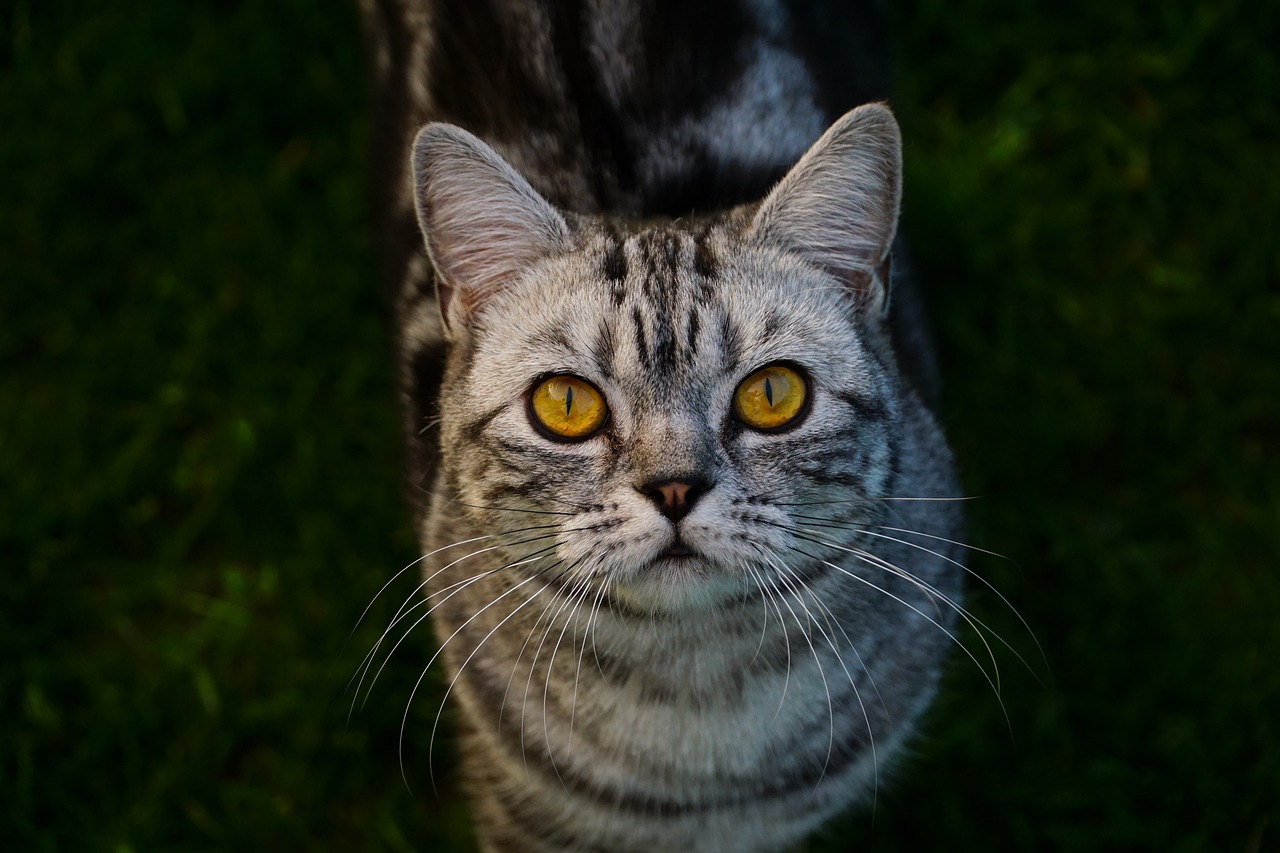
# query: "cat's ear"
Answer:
x=483 y=223
x=838 y=206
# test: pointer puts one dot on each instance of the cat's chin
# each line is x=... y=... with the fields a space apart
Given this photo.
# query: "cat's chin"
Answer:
x=677 y=583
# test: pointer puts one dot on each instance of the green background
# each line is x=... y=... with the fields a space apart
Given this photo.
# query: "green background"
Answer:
x=201 y=483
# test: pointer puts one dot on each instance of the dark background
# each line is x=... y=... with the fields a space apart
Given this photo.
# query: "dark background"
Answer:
x=201 y=477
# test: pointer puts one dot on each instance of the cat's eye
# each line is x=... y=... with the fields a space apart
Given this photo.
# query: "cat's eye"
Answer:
x=772 y=398
x=567 y=408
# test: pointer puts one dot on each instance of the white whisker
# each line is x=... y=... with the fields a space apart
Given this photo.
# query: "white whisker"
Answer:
x=404 y=611
x=405 y=719
x=831 y=715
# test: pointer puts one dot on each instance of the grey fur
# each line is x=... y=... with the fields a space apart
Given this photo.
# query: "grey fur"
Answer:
x=612 y=697
x=699 y=739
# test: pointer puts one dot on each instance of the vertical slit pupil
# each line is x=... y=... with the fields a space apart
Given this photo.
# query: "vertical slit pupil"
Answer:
x=768 y=391
x=568 y=400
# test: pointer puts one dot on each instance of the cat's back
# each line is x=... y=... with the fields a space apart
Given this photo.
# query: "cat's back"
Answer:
x=634 y=107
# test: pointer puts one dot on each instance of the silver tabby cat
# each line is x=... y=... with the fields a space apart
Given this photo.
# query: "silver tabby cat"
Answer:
x=672 y=434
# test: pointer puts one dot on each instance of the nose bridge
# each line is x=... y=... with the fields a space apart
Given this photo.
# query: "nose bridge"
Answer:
x=673 y=448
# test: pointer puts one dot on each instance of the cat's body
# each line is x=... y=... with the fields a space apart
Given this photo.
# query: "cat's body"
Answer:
x=684 y=625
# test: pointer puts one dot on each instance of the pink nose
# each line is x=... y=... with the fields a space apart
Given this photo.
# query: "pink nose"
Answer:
x=675 y=497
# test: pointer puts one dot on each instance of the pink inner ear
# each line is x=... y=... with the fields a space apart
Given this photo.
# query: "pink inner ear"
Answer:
x=484 y=224
x=477 y=258
x=838 y=206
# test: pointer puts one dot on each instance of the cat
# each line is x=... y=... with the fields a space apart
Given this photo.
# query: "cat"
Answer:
x=669 y=408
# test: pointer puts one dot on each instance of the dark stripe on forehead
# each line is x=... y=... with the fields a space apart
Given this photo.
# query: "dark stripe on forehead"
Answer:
x=705 y=261
x=642 y=342
x=664 y=345
x=602 y=348
x=730 y=340
x=556 y=338
x=772 y=322
x=663 y=336
x=660 y=254
x=613 y=266
x=691 y=335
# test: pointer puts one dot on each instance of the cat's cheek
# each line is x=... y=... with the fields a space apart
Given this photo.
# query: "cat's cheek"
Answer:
x=742 y=537
x=614 y=545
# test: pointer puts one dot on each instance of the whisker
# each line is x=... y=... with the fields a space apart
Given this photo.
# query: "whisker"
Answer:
x=923 y=615
x=980 y=579
x=460 y=585
x=958 y=498
x=831 y=714
x=764 y=624
x=928 y=589
x=568 y=600
x=519 y=655
x=404 y=721
x=561 y=601
x=581 y=590
x=595 y=652
x=587 y=633
x=427 y=580
x=770 y=591
x=463 y=665
x=453 y=501
x=829 y=617
x=823 y=522
x=956 y=542
x=405 y=608
x=862 y=531
x=410 y=565
x=866 y=717
x=869 y=498
x=414 y=593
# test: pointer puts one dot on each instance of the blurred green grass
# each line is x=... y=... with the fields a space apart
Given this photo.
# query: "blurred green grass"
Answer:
x=200 y=453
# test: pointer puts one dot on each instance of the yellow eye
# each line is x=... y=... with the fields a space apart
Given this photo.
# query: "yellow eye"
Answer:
x=771 y=398
x=567 y=407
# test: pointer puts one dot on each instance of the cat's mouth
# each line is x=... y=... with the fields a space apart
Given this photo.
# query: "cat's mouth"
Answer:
x=677 y=551
x=679 y=578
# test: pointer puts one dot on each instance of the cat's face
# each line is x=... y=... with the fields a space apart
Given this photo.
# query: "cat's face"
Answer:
x=723 y=384
x=670 y=346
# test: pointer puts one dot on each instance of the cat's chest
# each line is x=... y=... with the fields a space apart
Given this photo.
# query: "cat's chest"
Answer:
x=721 y=701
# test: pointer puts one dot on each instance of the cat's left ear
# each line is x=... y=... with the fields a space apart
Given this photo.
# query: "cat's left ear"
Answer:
x=483 y=223
x=838 y=206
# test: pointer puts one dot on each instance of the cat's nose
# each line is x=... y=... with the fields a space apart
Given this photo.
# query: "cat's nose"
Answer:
x=675 y=496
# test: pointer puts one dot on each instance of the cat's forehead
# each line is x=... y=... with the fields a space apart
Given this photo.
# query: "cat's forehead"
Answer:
x=713 y=279
x=672 y=268
x=665 y=307
x=661 y=265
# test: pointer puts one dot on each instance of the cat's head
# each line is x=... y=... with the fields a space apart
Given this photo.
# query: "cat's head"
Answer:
x=673 y=399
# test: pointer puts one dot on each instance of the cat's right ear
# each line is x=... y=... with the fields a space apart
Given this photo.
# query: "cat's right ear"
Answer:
x=838 y=206
x=483 y=223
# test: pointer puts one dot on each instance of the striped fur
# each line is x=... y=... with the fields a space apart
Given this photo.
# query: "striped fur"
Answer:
x=617 y=222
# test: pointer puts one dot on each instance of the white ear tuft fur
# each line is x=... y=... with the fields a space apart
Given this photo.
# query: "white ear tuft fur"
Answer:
x=483 y=223
x=838 y=206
